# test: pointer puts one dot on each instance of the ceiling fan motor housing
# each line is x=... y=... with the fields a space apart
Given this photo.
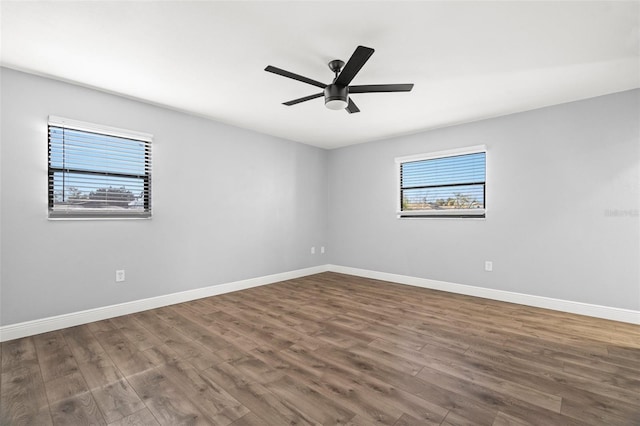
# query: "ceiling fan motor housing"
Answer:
x=336 y=96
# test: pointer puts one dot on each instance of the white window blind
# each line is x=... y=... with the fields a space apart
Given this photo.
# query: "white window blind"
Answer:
x=444 y=184
x=98 y=171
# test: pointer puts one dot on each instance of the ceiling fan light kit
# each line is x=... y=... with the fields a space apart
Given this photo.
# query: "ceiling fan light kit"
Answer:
x=336 y=97
x=336 y=94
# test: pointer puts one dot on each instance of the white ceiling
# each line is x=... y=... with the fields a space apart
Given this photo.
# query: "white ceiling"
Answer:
x=468 y=60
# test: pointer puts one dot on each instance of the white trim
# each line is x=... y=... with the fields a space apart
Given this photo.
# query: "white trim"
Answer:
x=30 y=328
x=444 y=212
x=597 y=311
x=55 y=219
x=99 y=128
x=441 y=154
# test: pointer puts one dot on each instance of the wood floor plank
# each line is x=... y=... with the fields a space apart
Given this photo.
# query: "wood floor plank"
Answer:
x=23 y=399
x=160 y=355
x=367 y=397
x=187 y=328
x=559 y=382
x=117 y=400
x=77 y=410
x=495 y=399
x=165 y=400
x=249 y=419
x=102 y=326
x=200 y=355
x=209 y=397
x=139 y=336
x=16 y=353
x=257 y=370
x=83 y=344
x=596 y=416
x=153 y=322
x=140 y=418
x=503 y=419
x=256 y=397
x=257 y=332
x=468 y=409
x=124 y=354
x=100 y=372
x=54 y=355
x=427 y=411
x=328 y=349
x=308 y=402
x=388 y=359
x=490 y=379
x=93 y=361
x=320 y=376
x=65 y=387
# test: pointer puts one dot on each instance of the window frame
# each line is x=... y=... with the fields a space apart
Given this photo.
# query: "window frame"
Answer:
x=107 y=214
x=452 y=213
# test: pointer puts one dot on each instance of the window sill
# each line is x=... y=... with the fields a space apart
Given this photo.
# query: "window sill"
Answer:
x=74 y=218
x=446 y=214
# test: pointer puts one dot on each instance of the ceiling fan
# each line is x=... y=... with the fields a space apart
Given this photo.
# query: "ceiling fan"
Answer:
x=336 y=94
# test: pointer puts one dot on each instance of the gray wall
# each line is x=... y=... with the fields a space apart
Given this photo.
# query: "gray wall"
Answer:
x=228 y=204
x=563 y=195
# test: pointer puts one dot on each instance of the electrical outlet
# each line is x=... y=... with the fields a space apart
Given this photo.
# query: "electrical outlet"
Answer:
x=488 y=266
x=322 y=250
x=119 y=275
x=313 y=250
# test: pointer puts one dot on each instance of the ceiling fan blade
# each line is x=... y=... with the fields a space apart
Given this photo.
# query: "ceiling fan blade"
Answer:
x=376 y=88
x=352 y=107
x=294 y=76
x=306 y=98
x=357 y=60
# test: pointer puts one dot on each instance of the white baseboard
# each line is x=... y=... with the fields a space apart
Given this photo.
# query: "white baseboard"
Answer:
x=30 y=328
x=597 y=311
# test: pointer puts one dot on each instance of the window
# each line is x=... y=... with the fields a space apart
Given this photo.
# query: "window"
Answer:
x=98 y=171
x=443 y=184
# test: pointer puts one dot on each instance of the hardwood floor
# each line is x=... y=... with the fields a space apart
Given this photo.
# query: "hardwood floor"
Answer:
x=328 y=349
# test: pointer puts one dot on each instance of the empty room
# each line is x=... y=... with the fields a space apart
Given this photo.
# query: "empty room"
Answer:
x=252 y=213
